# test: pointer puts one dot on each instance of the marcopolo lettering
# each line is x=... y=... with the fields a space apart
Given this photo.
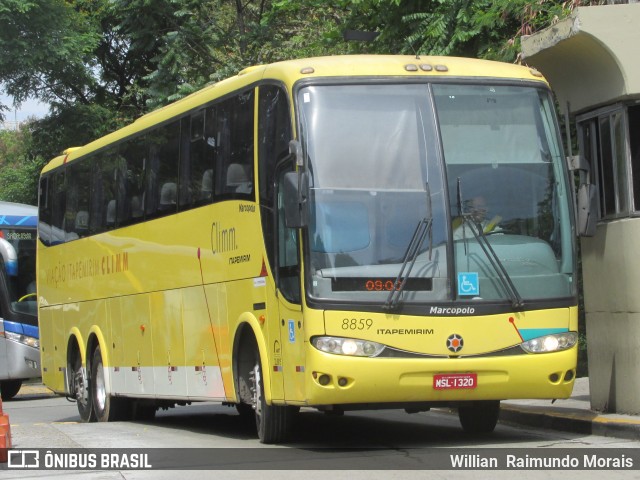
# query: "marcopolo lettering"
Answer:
x=452 y=311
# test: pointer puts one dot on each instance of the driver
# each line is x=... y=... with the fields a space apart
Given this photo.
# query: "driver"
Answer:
x=476 y=211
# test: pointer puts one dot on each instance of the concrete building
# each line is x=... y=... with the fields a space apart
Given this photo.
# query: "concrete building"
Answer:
x=592 y=60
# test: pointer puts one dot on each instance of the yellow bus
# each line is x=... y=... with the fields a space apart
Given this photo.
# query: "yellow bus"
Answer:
x=338 y=233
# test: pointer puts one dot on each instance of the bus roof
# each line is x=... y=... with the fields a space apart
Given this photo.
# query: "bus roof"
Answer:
x=18 y=215
x=290 y=71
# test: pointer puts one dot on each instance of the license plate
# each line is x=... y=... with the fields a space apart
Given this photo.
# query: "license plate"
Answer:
x=455 y=381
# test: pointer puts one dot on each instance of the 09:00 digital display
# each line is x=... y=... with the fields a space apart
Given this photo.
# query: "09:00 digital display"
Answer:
x=364 y=284
x=380 y=285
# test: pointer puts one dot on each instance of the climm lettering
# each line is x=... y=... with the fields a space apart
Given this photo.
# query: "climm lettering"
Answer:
x=223 y=239
x=115 y=263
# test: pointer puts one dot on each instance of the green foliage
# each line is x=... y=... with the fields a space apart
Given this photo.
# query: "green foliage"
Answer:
x=19 y=170
x=101 y=63
x=23 y=153
x=11 y=143
x=46 y=51
x=71 y=127
x=303 y=29
x=471 y=28
x=18 y=183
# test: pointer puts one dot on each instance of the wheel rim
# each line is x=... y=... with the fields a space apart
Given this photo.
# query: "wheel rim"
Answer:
x=257 y=391
x=81 y=391
x=100 y=389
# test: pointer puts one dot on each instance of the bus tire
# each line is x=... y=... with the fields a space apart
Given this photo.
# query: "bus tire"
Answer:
x=273 y=422
x=479 y=417
x=80 y=389
x=245 y=410
x=105 y=407
x=9 y=389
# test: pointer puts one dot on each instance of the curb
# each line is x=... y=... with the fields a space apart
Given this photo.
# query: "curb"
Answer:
x=570 y=420
x=34 y=389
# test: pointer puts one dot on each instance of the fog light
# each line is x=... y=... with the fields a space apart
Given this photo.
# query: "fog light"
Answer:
x=342 y=381
x=324 y=379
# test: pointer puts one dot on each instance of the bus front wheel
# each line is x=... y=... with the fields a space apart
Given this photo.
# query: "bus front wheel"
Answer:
x=273 y=422
x=9 y=389
x=479 y=417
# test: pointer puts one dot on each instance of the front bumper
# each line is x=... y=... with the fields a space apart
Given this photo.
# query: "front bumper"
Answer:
x=22 y=361
x=362 y=380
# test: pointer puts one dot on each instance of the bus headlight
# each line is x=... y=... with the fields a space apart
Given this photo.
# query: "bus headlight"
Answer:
x=347 y=346
x=551 y=343
x=24 y=339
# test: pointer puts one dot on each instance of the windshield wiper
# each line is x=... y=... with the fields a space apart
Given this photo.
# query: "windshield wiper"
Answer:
x=419 y=234
x=490 y=253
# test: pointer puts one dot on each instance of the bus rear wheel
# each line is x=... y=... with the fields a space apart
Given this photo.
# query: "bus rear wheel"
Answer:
x=273 y=422
x=79 y=386
x=479 y=417
x=106 y=407
x=9 y=389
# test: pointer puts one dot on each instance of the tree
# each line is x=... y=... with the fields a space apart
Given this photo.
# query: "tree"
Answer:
x=102 y=63
x=18 y=168
x=46 y=52
x=488 y=29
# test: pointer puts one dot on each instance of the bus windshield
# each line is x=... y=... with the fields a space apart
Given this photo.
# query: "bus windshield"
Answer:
x=18 y=246
x=465 y=158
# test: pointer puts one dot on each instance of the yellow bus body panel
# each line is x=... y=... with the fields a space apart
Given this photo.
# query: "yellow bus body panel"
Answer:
x=165 y=299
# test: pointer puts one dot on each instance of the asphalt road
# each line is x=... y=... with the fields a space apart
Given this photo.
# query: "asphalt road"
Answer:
x=367 y=445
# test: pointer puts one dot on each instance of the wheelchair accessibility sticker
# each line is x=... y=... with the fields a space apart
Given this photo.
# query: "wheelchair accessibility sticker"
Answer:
x=292 y=331
x=468 y=283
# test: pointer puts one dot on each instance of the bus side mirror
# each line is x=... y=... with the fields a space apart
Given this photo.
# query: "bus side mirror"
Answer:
x=586 y=208
x=9 y=257
x=295 y=195
x=587 y=211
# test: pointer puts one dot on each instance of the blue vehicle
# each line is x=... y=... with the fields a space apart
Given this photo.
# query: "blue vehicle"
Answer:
x=19 y=339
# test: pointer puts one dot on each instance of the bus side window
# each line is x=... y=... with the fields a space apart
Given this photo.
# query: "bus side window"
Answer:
x=234 y=129
x=274 y=134
x=162 y=171
x=135 y=153
x=78 y=198
x=197 y=150
x=44 y=212
x=58 y=206
x=103 y=198
x=288 y=275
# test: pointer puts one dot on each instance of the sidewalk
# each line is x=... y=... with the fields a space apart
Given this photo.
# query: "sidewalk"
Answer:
x=573 y=415
x=34 y=389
